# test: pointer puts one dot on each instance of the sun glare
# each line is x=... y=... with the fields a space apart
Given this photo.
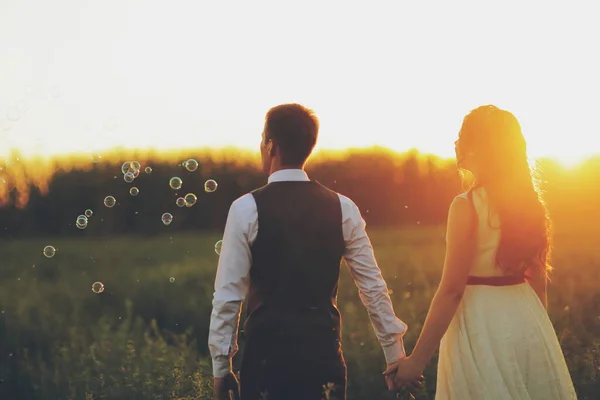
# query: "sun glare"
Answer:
x=102 y=76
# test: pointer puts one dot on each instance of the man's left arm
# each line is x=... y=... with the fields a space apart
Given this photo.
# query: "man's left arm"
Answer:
x=231 y=288
x=373 y=290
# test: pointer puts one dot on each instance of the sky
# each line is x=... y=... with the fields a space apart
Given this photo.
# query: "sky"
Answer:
x=86 y=75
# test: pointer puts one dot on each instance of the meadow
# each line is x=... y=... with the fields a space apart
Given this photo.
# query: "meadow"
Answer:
x=144 y=336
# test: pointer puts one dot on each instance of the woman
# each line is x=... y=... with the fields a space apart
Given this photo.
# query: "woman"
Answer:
x=489 y=311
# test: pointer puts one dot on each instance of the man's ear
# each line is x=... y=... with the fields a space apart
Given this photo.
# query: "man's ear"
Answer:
x=271 y=148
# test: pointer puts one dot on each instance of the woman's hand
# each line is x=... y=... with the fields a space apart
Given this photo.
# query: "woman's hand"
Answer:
x=409 y=375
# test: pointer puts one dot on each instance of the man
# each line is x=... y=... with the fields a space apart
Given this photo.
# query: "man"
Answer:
x=282 y=248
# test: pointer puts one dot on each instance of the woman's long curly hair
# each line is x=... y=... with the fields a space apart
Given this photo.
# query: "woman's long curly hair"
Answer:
x=494 y=149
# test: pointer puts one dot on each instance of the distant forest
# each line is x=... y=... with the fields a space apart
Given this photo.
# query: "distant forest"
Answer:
x=42 y=197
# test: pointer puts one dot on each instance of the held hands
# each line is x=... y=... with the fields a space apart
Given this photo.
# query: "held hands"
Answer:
x=404 y=374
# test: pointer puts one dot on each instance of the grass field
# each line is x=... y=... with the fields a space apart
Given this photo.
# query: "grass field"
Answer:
x=145 y=337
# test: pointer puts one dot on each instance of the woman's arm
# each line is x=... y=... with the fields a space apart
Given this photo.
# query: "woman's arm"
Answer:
x=457 y=264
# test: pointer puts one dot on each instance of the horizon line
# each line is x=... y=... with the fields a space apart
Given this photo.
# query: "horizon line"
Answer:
x=232 y=149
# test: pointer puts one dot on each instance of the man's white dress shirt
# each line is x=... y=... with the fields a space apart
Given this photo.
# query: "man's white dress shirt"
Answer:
x=233 y=277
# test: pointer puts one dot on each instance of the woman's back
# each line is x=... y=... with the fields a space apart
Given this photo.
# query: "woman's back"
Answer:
x=500 y=343
x=487 y=237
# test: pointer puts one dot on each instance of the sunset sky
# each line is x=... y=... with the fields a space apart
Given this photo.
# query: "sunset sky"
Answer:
x=89 y=75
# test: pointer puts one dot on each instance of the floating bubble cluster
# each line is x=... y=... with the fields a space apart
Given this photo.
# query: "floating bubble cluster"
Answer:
x=81 y=222
x=131 y=171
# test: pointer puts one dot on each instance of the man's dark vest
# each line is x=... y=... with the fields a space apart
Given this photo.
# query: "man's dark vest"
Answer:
x=295 y=263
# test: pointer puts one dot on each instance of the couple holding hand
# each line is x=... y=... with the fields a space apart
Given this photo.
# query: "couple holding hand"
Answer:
x=281 y=253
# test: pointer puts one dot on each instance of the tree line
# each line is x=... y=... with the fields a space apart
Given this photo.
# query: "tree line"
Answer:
x=44 y=197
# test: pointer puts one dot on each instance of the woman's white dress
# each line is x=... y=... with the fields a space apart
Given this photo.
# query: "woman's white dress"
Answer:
x=500 y=344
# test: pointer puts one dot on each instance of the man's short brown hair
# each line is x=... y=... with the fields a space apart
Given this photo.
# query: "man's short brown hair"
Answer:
x=294 y=129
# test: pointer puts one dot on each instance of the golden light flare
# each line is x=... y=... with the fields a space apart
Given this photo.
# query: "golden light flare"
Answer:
x=101 y=75
x=18 y=174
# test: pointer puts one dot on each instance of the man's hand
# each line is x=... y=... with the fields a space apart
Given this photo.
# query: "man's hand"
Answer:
x=225 y=387
x=388 y=375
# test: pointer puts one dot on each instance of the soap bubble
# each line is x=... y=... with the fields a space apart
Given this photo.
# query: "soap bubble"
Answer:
x=218 y=246
x=110 y=201
x=191 y=165
x=129 y=177
x=190 y=199
x=49 y=251
x=210 y=186
x=134 y=191
x=97 y=287
x=167 y=218
x=125 y=167
x=81 y=222
x=180 y=202
x=175 y=183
